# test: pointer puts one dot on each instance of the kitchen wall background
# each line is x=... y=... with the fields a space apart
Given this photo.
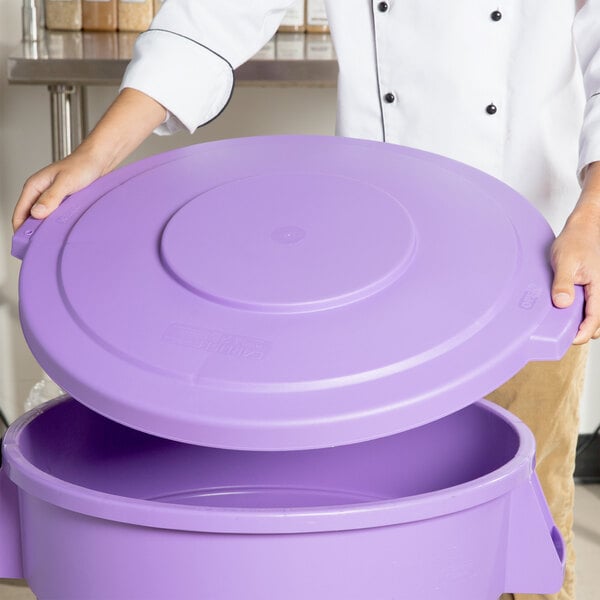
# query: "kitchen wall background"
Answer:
x=25 y=147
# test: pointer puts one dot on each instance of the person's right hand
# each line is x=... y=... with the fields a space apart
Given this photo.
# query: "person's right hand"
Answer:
x=45 y=190
x=125 y=125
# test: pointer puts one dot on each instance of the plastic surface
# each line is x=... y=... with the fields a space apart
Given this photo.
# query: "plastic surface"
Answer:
x=289 y=292
x=447 y=511
x=10 y=530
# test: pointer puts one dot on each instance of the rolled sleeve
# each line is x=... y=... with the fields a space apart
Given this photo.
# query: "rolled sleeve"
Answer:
x=586 y=28
x=192 y=82
x=186 y=60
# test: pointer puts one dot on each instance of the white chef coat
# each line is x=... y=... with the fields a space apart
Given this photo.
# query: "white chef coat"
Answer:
x=421 y=73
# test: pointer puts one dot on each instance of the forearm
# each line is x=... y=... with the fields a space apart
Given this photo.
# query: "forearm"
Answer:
x=587 y=210
x=126 y=124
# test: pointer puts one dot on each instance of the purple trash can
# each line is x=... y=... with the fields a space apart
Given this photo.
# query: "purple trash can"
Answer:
x=277 y=348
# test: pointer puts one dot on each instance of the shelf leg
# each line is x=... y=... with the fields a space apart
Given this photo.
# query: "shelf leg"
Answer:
x=68 y=117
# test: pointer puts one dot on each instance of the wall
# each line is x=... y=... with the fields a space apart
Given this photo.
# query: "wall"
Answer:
x=25 y=147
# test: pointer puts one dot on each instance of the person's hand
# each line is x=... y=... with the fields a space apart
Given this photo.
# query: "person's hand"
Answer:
x=575 y=257
x=576 y=261
x=45 y=190
x=125 y=125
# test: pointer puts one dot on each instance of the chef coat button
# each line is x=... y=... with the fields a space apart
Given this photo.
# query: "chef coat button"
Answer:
x=383 y=7
x=496 y=15
x=389 y=97
x=491 y=109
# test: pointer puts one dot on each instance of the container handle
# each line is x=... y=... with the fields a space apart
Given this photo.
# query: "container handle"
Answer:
x=11 y=566
x=535 y=560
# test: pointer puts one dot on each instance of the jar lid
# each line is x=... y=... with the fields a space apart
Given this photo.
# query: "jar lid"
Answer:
x=289 y=292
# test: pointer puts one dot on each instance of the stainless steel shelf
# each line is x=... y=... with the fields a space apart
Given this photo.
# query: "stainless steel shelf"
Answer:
x=90 y=58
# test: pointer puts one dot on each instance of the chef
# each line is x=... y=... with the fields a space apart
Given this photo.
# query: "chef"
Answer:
x=512 y=88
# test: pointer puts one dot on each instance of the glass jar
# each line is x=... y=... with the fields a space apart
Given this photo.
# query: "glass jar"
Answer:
x=63 y=14
x=135 y=15
x=100 y=15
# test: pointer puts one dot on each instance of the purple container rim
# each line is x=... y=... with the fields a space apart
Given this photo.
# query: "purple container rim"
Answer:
x=343 y=517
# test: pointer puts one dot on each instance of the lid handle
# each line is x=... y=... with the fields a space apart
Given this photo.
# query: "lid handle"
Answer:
x=21 y=237
x=557 y=331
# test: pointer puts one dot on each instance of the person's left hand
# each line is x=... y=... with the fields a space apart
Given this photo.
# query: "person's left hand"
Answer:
x=575 y=258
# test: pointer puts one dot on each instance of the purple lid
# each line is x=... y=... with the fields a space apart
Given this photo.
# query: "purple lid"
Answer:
x=289 y=292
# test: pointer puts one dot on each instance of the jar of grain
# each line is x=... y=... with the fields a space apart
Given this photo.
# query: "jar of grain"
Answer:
x=100 y=15
x=316 y=17
x=294 y=19
x=63 y=14
x=135 y=15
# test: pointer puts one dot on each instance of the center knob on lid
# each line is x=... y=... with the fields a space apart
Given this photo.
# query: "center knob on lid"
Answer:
x=289 y=242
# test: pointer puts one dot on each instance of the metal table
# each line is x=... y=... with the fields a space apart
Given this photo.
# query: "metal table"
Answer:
x=67 y=62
